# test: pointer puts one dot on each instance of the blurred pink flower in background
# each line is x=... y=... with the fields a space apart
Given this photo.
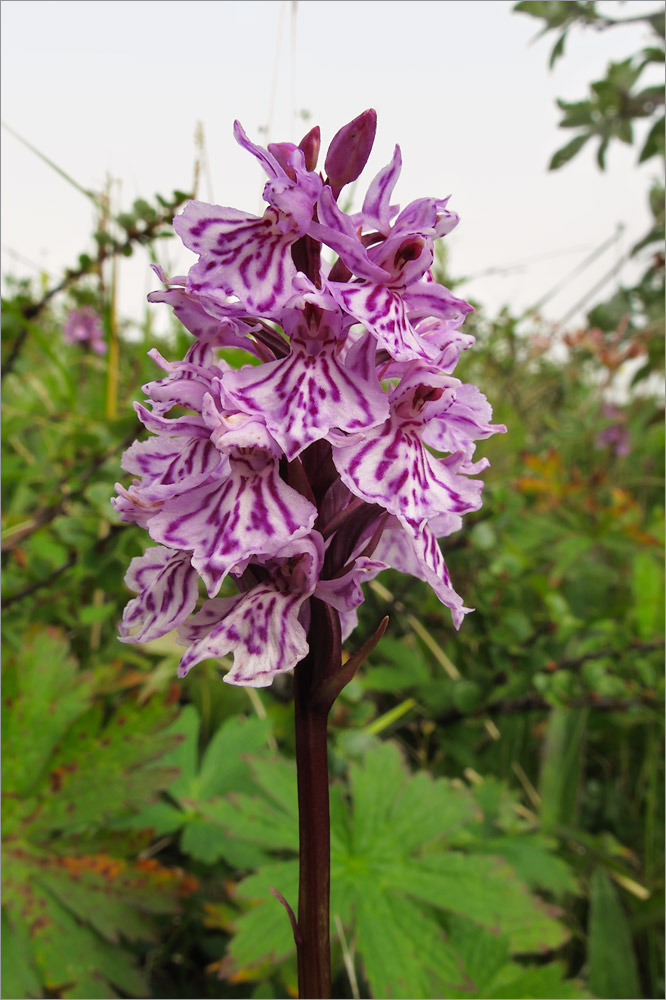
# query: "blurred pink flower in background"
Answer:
x=84 y=326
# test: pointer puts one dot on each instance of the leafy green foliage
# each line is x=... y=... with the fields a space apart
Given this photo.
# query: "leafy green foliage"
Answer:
x=198 y=805
x=73 y=892
x=407 y=853
x=614 y=104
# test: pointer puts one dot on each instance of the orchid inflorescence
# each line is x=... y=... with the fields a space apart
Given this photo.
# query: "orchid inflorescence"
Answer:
x=342 y=447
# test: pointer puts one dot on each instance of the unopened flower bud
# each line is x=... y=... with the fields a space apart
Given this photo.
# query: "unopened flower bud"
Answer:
x=310 y=145
x=350 y=149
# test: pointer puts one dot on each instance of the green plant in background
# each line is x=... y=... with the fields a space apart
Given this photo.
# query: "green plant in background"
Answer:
x=75 y=893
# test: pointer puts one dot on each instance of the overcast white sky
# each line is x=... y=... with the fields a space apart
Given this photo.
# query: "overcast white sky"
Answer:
x=118 y=87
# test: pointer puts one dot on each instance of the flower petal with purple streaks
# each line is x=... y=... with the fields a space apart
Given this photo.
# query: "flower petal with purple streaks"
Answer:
x=414 y=549
x=261 y=627
x=168 y=588
x=395 y=470
x=171 y=465
x=305 y=395
x=224 y=523
x=377 y=204
x=382 y=311
x=239 y=255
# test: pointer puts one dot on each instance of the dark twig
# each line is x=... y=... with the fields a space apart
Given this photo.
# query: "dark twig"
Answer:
x=533 y=702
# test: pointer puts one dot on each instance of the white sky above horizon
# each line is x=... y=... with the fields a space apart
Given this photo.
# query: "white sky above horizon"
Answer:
x=116 y=88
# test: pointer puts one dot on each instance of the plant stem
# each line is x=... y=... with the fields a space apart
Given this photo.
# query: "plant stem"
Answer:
x=314 y=951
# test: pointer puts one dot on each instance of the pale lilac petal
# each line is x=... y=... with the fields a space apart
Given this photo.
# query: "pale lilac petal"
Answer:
x=187 y=426
x=305 y=395
x=413 y=549
x=171 y=465
x=337 y=231
x=382 y=311
x=377 y=210
x=168 y=589
x=427 y=298
x=239 y=255
x=261 y=628
x=224 y=523
x=261 y=631
x=189 y=310
x=344 y=592
x=266 y=159
x=466 y=420
x=130 y=506
x=395 y=470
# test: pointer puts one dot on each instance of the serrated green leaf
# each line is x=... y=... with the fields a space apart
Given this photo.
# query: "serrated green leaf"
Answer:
x=482 y=953
x=207 y=841
x=19 y=977
x=533 y=859
x=72 y=896
x=389 y=866
x=373 y=783
x=40 y=702
x=264 y=933
x=547 y=982
x=404 y=952
x=223 y=767
x=485 y=890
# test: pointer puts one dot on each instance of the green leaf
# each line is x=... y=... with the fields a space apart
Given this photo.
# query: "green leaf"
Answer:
x=394 y=881
x=19 y=977
x=73 y=894
x=654 y=143
x=647 y=584
x=404 y=951
x=558 y=50
x=41 y=699
x=484 y=890
x=613 y=969
x=531 y=857
x=560 y=777
x=223 y=767
x=204 y=813
x=567 y=152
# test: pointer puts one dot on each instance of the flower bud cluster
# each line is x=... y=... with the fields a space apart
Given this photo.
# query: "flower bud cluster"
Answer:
x=343 y=446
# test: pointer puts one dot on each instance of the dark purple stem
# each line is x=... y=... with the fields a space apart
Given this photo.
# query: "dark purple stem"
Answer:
x=323 y=660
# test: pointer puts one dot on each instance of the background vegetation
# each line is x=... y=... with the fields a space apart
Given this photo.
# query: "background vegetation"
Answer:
x=497 y=793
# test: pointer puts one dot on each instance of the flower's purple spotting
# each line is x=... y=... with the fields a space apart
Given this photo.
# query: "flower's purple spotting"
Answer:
x=83 y=326
x=342 y=446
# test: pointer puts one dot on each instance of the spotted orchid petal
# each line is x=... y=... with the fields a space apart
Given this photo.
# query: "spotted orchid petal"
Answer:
x=211 y=329
x=465 y=421
x=227 y=521
x=239 y=255
x=261 y=627
x=305 y=395
x=344 y=592
x=382 y=311
x=338 y=232
x=395 y=470
x=171 y=465
x=377 y=210
x=168 y=589
x=412 y=548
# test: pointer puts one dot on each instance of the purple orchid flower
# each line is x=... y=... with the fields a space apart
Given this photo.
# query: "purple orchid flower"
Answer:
x=343 y=446
x=83 y=326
